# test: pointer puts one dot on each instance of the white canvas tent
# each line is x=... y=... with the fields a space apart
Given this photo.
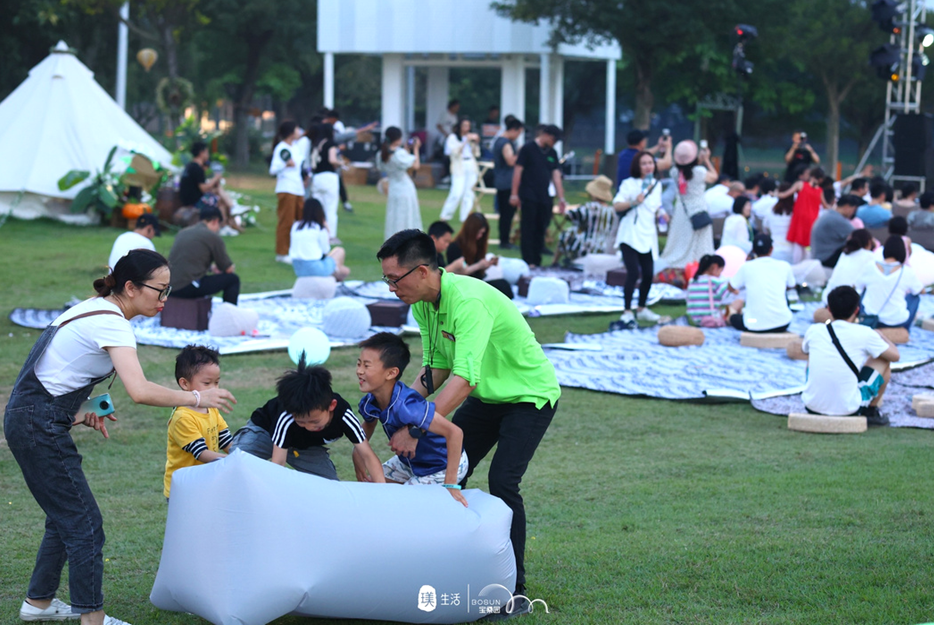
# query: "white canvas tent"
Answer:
x=57 y=120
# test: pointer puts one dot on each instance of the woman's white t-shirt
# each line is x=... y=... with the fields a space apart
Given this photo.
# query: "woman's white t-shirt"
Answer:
x=288 y=179
x=849 y=269
x=309 y=243
x=885 y=295
x=637 y=228
x=736 y=232
x=76 y=355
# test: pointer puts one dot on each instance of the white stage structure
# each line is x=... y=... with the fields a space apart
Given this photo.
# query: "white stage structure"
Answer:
x=441 y=34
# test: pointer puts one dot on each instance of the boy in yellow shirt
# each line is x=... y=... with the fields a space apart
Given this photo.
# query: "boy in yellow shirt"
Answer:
x=196 y=435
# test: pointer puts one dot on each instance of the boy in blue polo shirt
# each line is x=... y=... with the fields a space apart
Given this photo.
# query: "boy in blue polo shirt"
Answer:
x=439 y=457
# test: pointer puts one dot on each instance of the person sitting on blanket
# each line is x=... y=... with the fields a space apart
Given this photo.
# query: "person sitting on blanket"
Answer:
x=765 y=279
x=837 y=385
x=583 y=224
x=890 y=289
x=706 y=293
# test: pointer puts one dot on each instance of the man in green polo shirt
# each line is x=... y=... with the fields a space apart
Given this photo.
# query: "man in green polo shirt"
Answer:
x=475 y=339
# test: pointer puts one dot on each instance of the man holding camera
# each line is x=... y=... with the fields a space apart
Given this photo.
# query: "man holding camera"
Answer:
x=800 y=156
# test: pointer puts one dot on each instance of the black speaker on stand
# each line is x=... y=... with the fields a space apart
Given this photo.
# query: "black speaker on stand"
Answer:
x=914 y=147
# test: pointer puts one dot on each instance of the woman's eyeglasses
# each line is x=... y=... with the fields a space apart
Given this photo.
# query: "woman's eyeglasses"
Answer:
x=163 y=293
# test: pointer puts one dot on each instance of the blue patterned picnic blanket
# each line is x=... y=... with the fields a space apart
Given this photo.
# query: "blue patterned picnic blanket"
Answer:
x=632 y=362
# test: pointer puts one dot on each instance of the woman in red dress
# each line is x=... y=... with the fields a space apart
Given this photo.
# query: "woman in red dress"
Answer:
x=807 y=206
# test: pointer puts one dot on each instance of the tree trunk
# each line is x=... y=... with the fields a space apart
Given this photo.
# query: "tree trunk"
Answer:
x=835 y=97
x=166 y=32
x=255 y=46
x=645 y=100
x=833 y=135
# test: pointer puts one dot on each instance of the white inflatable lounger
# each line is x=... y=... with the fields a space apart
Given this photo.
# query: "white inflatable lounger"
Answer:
x=248 y=541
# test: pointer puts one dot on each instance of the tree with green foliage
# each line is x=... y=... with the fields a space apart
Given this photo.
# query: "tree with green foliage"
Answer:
x=831 y=41
x=653 y=35
x=254 y=40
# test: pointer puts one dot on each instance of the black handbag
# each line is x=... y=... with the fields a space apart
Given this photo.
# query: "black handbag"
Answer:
x=699 y=220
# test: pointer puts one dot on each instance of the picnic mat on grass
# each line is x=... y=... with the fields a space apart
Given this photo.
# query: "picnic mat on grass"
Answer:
x=631 y=362
x=280 y=316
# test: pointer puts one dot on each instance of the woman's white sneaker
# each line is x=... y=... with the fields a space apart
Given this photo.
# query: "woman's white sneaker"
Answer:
x=57 y=611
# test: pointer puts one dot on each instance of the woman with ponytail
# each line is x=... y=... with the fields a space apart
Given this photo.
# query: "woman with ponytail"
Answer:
x=286 y=166
x=853 y=262
x=402 y=211
x=706 y=293
x=80 y=349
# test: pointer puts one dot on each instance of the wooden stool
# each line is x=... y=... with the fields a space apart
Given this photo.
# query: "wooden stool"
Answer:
x=616 y=277
x=823 y=424
x=768 y=340
x=388 y=313
x=899 y=336
x=794 y=351
x=186 y=314
x=923 y=404
x=679 y=336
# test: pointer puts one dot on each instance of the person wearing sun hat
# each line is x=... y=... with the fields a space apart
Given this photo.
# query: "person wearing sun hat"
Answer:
x=574 y=241
x=692 y=173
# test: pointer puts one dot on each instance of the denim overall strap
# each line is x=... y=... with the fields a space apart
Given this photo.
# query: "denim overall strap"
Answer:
x=37 y=428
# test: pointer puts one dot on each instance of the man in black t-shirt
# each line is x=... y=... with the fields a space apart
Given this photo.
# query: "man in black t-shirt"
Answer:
x=799 y=157
x=194 y=189
x=536 y=167
x=296 y=426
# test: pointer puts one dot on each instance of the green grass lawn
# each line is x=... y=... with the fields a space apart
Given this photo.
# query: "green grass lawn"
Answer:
x=640 y=511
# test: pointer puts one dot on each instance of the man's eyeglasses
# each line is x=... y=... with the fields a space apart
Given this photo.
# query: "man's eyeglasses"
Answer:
x=395 y=282
x=163 y=293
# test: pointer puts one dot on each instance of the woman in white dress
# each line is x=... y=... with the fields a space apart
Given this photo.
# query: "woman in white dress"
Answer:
x=463 y=148
x=693 y=172
x=402 y=211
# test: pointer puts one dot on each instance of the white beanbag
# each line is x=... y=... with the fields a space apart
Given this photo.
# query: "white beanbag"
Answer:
x=513 y=269
x=545 y=290
x=283 y=542
x=314 y=287
x=345 y=317
x=598 y=263
x=230 y=320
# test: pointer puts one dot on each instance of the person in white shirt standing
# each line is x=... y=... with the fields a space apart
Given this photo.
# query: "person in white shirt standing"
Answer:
x=286 y=166
x=147 y=227
x=843 y=344
x=765 y=279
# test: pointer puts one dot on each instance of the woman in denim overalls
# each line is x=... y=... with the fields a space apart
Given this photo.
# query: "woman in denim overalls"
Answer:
x=37 y=426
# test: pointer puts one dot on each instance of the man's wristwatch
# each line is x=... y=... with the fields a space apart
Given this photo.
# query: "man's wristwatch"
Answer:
x=416 y=432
